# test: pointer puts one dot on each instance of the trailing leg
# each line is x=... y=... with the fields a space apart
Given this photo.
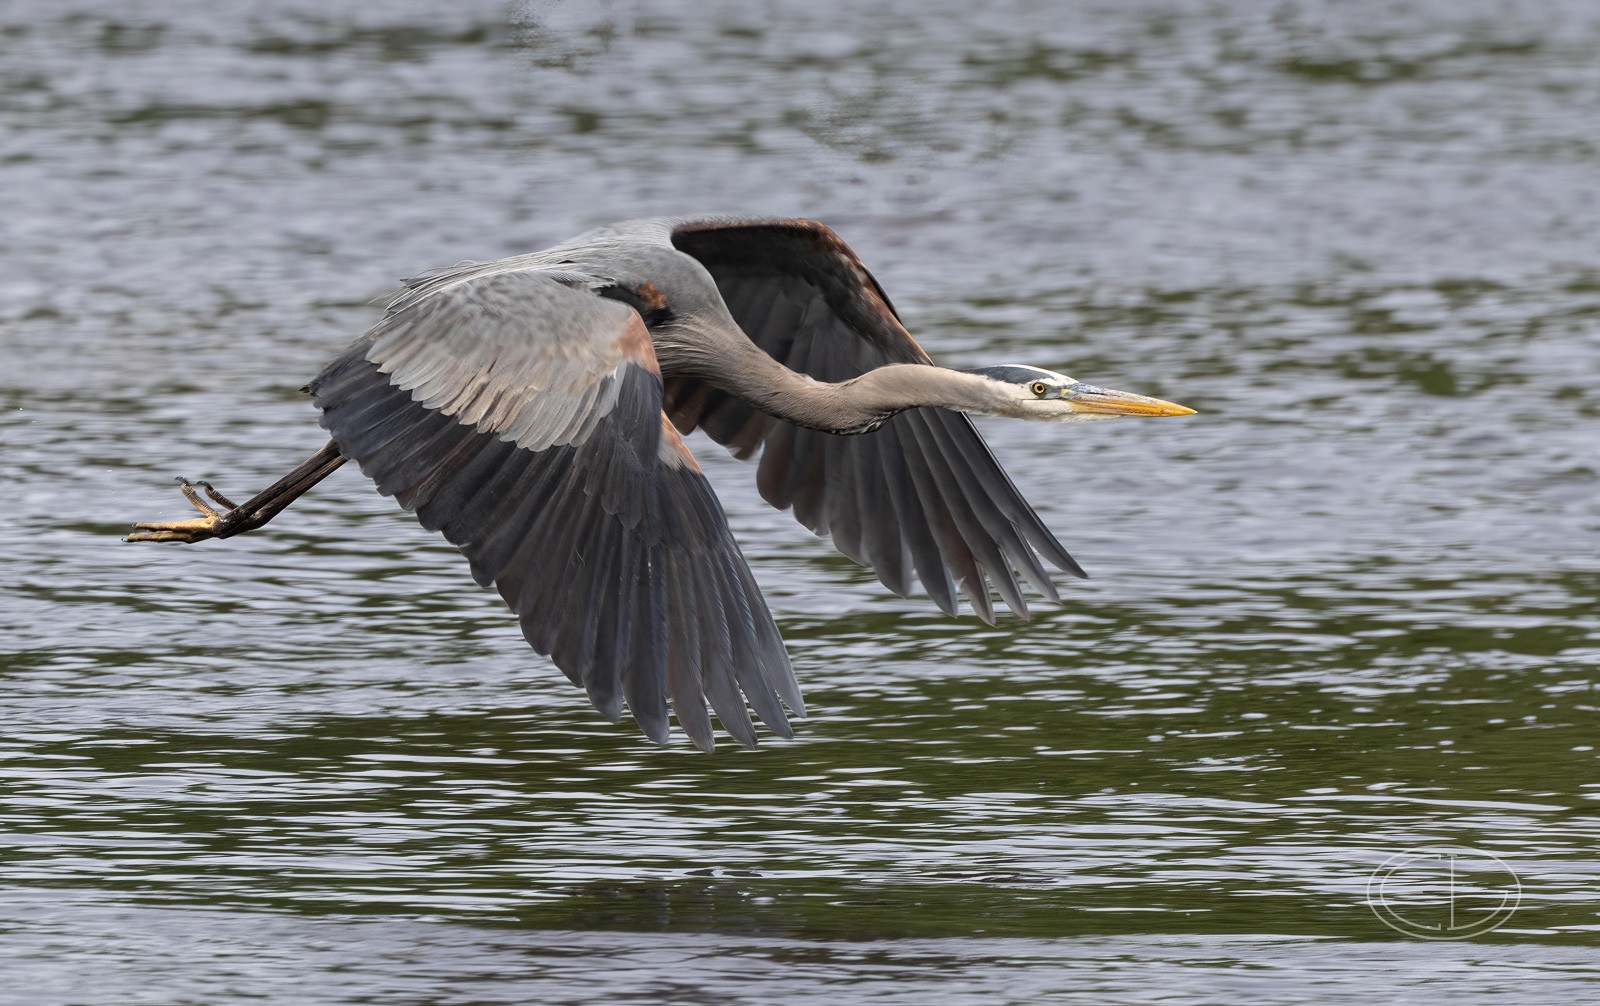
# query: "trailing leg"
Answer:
x=241 y=517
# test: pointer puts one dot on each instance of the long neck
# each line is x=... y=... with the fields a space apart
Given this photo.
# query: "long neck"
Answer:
x=859 y=405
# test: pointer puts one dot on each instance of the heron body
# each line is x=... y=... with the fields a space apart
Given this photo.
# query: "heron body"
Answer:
x=532 y=411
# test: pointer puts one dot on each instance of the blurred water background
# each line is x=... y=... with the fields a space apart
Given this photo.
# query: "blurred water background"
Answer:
x=1348 y=610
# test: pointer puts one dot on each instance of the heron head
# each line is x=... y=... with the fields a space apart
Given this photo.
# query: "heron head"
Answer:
x=1035 y=393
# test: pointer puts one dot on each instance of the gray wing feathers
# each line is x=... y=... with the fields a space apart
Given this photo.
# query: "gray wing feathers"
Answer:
x=921 y=494
x=614 y=554
x=513 y=354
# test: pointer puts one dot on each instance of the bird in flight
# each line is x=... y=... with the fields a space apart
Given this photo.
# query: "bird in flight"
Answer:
x=532 y=410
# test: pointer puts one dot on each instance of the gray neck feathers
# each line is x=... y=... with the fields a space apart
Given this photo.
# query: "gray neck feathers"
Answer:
x=860 y=405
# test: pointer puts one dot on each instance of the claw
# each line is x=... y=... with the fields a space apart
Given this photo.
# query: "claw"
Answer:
x=211 y=491
x=187 y=488
x=212 y=523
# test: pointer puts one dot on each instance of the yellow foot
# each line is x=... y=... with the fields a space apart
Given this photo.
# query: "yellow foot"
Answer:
x=212 y=523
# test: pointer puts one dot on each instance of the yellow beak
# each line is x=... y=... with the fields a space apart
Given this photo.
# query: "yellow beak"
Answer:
x=1089 y=399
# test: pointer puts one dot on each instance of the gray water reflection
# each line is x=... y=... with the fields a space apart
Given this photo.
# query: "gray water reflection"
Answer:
x=191 y=956
x=1349 y=609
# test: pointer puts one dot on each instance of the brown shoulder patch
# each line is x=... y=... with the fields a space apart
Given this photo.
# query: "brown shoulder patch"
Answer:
x=673 y=451
x=634 y=344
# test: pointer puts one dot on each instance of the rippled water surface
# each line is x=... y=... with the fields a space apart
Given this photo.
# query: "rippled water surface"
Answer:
x=1351 y=609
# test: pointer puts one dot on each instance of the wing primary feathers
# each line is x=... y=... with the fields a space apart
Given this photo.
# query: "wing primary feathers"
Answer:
x=525 y=511
x=551 y=478
x=614 y=642
x=644 y=674
x=720 y=684
x=840 y=499
x=799 y=292
x=986 y=529
x=919 y=549
x=433 y=436
x=883 y=541
x=450 y=504
x=684 y=669
x=952 y=547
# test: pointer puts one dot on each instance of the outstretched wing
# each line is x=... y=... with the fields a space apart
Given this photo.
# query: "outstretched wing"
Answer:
x=520 y=415
x=921 y=493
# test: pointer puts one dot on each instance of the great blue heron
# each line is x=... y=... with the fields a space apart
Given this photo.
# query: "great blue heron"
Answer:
x=530 y=409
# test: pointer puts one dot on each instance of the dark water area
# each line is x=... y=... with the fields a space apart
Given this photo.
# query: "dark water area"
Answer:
x=1349 y=611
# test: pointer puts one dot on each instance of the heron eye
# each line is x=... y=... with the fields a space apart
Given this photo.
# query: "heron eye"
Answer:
x=1039 y=388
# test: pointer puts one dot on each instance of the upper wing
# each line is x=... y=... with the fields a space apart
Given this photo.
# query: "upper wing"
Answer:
x=921 y=493
x=521 y=417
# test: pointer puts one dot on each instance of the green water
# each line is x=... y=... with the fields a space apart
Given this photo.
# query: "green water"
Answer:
x=1350 y=610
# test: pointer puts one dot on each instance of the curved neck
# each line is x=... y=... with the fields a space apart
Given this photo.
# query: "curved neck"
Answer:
x=859 y=405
